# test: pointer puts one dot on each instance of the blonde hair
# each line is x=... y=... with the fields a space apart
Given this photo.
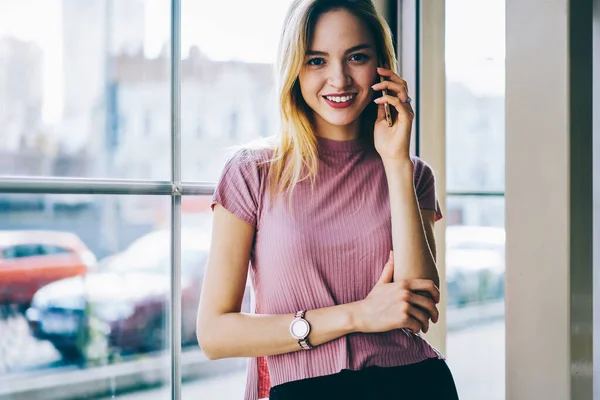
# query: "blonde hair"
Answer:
x=295 y=156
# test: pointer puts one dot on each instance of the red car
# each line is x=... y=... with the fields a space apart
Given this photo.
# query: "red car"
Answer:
x=126 y=301
x=32 y=259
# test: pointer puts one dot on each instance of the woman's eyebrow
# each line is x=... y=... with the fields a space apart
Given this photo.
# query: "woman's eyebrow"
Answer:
x=350 y=50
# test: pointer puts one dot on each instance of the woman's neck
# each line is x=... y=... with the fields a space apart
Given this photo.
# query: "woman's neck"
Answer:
x=338 y=132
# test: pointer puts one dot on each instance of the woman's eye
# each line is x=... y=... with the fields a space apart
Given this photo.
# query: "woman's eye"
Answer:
x=359 y=57
x=315 y=61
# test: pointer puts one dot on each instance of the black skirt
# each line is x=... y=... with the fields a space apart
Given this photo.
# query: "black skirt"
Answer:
x=428 y=380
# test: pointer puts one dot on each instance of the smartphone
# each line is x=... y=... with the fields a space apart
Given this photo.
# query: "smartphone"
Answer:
x=386 y=106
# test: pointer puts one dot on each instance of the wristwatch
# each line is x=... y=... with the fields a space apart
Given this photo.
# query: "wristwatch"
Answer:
x=299 y=329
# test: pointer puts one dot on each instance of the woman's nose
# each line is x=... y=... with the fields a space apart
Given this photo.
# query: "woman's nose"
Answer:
x=339 y=76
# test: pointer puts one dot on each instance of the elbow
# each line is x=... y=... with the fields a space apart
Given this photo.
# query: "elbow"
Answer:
x=210 y=354
x=215 y=338
x=208 y=339
x=207 y=344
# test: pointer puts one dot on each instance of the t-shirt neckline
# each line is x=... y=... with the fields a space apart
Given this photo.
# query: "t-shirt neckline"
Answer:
x=341 y=146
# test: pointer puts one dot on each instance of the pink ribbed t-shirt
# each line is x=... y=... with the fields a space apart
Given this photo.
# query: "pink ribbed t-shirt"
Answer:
x=329 y=250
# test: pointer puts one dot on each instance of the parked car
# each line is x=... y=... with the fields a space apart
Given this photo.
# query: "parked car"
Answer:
x=32 y=259
x=475 y=264
x=127 y=299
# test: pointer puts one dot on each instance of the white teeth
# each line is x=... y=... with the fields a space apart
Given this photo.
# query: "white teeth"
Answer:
x=340 y=99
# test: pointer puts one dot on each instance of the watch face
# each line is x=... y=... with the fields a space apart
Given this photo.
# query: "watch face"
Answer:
x=299 y=329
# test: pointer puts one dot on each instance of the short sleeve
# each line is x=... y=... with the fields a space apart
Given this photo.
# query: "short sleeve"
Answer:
x=238 y=188
x=425 y=188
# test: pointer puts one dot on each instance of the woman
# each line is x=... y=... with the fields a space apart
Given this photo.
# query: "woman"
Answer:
x=315 y=215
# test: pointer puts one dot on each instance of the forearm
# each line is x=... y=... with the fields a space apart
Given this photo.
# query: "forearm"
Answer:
x=412 y=255
x=254 y=335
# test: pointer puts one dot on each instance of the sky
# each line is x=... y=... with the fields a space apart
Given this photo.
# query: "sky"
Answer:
x=39 y=22
x=474 y=36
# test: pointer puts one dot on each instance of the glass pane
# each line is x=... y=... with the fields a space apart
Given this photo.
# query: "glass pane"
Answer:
x=227 y=379
x=95 y=309
x=227 y=80
x=475 y=270
x=84 y=84
x=475 y=235
x=475 y=95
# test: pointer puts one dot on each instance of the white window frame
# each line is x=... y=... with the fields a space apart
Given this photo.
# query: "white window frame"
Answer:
x=549 y=308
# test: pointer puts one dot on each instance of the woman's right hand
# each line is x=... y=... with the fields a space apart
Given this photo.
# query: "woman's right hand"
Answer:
x=396 y=305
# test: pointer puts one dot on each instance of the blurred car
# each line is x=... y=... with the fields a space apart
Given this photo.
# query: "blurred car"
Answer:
x=32 y=259
x=475 y=264
x=127 y=299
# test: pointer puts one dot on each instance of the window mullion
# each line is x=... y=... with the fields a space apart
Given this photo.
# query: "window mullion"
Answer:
x=175 y=311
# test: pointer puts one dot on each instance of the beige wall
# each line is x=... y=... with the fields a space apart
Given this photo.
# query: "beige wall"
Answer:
x=431 y=121
x=549 y=197
x=548 y=201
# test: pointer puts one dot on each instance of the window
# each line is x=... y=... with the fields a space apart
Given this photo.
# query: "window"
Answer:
x=475 y=236
x=85 y=89
x=227 y=85
x=21 y=251
x=59 y=307
x=85 y=92
x=47 y=249
x=73 y=79
x=30 y=250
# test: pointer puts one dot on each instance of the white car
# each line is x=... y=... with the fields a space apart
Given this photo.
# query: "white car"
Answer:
x=475 y=264
x=128 y=296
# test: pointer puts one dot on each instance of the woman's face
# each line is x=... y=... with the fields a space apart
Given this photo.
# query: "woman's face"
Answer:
x=339 y=69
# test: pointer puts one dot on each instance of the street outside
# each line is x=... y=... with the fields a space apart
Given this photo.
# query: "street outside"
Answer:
x=475 y=355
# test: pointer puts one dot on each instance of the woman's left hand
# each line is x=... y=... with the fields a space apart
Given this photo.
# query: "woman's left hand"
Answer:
x=393 y=143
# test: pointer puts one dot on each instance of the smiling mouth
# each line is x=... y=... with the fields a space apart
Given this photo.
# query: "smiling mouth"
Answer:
x=341 y=99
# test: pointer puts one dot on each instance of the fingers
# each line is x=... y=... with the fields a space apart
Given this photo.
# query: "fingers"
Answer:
x=402 y=108
x=380 y=112
x=413 y=324
x=396 y=84
x=400 y=88
x=421 y=316
x=388 y=270
x=425 y=304
x=391 y=75
x=422 y=285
